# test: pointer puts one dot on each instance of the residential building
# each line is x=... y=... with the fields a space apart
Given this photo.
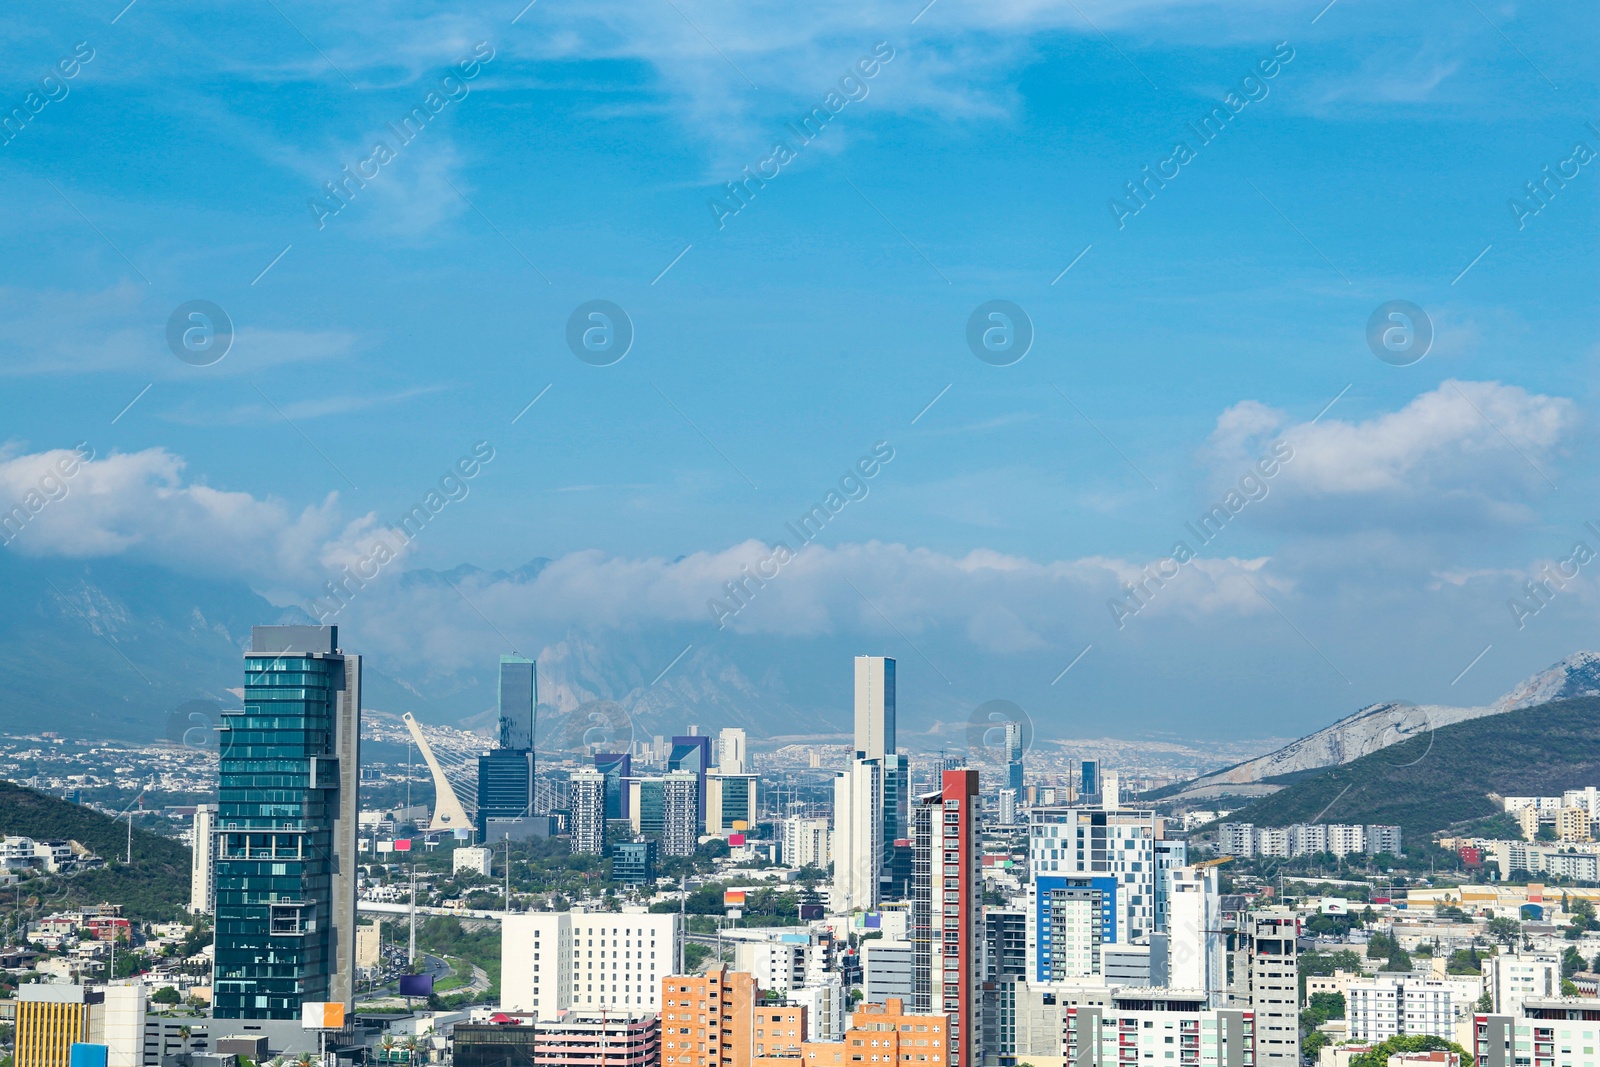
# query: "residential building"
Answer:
x=1511 y=978
x=1273 y=842
x=203 y=861
x=634 y=862
x=779 y=1030
x=680 y=819
x=805 y=843
x=588 y=805
x=1005 y=945
x=1195 y=938
x=1267 y=984
x=1574 y=824
x=472 y=859
x=1239 y=839
x=947 y=893
x=1111 y=852
x=560 y=961
x=774 y=965
x=857 y=836
x=1160 y=1026
x=1544 y=1032
x=887 y=968
x=506 y=773
x=886 y=1031
x=1246 y=840
x=1387 y=1005
x=708 y=1020
x=594 y=1039
x=287 y=860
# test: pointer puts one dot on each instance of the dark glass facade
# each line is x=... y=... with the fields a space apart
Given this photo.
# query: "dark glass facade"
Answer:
x=519 y=696
x=692 y=753
x=505 y=786
x=616 y=766
x=281 y=822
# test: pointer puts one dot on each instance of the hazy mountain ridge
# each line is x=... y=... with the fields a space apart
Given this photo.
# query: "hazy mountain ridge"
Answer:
x=1379 y=726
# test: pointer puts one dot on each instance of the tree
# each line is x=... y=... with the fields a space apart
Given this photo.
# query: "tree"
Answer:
x=165 y=995
x=1379 y=1055
x=1571 y=962
x=1505 y=930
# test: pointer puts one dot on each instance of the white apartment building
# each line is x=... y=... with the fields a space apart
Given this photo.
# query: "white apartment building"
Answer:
x=1158 y=1028
x=1513 y=978
x=1386 y=1005
x=823 y=998
x=558 y=961
x=1195 y=940
x=1237 y=839
x=776 y=965
x=1548 y=1032
x=806 y=843
x=733 y=751
x=1308 y=840
x=857 y=836
x=1273 y=841
x=888 y=968
x=1114 y=851
x=474 y=859
x=203 y=861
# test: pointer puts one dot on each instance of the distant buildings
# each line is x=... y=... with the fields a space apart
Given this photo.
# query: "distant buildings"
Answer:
x=1248 y=841
x=506 y=773
x=587 y=798
x=286 y=860
x=1158 y=1026
x=53 y=857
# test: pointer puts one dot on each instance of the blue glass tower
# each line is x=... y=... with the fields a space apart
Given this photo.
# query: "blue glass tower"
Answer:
x=286 y=825
x=506 y=773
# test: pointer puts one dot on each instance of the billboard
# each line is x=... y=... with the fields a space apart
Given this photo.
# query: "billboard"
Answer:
x=322 y=1015
x=733 y=898
x=402 y=844
x=416 y=985
x=84 y=1055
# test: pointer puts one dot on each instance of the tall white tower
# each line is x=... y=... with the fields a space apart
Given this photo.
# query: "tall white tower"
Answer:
x=857 y=836
x=874 y=707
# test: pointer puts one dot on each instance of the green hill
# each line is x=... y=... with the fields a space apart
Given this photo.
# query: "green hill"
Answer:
x=154 y=886
x=1437 y=780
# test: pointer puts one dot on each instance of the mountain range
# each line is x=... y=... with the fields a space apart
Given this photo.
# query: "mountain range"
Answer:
x=1380 y=726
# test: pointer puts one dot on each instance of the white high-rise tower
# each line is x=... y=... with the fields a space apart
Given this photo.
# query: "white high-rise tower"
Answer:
x=857 y=836
x=874 y=707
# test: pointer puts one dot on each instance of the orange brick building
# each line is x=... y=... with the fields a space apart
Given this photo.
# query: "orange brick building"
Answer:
x=707 y=1020
x=883 y=1034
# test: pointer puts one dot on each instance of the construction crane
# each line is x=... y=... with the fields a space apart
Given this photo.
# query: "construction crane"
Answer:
x=1218 y=862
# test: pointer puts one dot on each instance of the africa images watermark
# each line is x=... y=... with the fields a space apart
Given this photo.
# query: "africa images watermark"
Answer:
x=851 y=486
x=1254 y=88
x=1252 y=487
x=52 y=485
x=851 y=87
x=453 y=88
x=1551 y=579
x=396 y=537
x=1540 y=193
x=53 y=87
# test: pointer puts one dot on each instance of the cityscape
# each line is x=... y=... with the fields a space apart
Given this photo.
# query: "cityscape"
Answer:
x=673 y=533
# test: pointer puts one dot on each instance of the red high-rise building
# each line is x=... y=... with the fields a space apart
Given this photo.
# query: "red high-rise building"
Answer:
x=947 y=889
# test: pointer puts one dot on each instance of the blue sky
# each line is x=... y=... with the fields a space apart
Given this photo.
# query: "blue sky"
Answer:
x=579 y=163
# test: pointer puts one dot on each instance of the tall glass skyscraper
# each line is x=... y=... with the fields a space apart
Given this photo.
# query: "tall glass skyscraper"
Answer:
x=506 y=773
x=286 y=828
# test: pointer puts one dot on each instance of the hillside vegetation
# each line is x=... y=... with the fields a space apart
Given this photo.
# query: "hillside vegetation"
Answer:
x=155 y=886
x=1438 y=780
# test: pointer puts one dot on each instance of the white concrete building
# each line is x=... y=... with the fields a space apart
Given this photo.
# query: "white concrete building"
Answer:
x=776 y=965
x=857 y=834
x=203 y=861
x=823 y=998
x=558 y=961
x=1195 y=940
x=1158 y=1027
x=474 y=859
x=733 y=753
x=1512 y=979
x=587 y=798
x=805 y=843
x=888 y=968
x=1385 y=1005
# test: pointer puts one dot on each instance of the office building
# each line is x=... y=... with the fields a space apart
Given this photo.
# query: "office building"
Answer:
x=692 y=754
x=733 y=754
x=1014 y=751
x=874 y=707
x=287 y=862
x=1267 y=983
x=947 y=891
x=857 y=836
x=506 y=773
x=588 y=804
x=203 y=861
x=50 y=1019
x=1005 y=945
x=1196 y=942
x=805 y=843
x=1112 y=852
x=1161 y=1026
x=717 y=1009
x=1089 y=777
x=551 y=962
x=888 y=968
x=730 y=803
x=634 y=862
x=618 y=768
x=667 y=809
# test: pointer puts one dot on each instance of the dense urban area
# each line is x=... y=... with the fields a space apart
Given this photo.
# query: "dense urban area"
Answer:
x=294 y=880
